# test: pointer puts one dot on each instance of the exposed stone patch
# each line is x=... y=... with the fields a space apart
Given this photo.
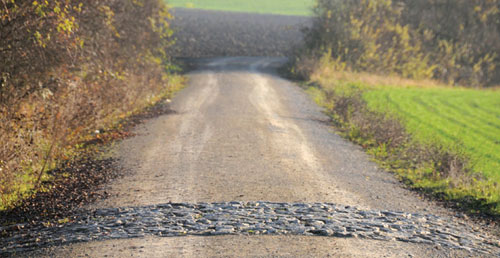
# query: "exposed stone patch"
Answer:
x=252 y=218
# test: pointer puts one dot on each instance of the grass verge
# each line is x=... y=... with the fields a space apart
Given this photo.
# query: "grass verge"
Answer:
x=283 y=7
x=441 y=140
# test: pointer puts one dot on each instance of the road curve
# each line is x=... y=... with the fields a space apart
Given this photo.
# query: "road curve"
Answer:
x=241 y=133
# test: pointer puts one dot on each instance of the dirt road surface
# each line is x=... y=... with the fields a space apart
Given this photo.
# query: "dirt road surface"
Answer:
x=242 y=133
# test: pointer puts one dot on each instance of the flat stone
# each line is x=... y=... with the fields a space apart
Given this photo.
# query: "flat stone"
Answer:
x=322 y=232
x=318 y=219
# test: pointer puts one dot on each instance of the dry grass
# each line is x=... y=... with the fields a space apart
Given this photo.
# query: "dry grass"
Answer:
x=374 y=80
x=327 y=70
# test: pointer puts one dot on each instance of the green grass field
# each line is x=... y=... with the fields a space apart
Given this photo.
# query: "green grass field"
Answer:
x=465 y=117
x=284 y=7
x=461 y=122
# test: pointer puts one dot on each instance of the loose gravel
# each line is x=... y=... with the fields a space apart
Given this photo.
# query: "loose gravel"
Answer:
x=253 y=218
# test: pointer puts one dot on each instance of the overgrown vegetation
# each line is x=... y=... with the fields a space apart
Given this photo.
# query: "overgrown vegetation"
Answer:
x=457 y=42
x=70 y=68
x=77 y=183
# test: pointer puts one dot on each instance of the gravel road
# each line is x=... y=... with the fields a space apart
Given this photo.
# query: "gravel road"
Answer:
x=247 y=165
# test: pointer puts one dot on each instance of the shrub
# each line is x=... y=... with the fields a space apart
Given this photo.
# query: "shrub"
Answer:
x=69 y=67
x=453 y=41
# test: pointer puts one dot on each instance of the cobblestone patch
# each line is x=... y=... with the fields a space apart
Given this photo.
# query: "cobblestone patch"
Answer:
x=252 y=218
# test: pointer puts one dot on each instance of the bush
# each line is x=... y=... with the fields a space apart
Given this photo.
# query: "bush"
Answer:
x=454 y=41
x=69 y=67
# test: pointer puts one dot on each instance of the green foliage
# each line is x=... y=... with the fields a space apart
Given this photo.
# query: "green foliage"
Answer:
x=285 y=7
x=454 y=41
